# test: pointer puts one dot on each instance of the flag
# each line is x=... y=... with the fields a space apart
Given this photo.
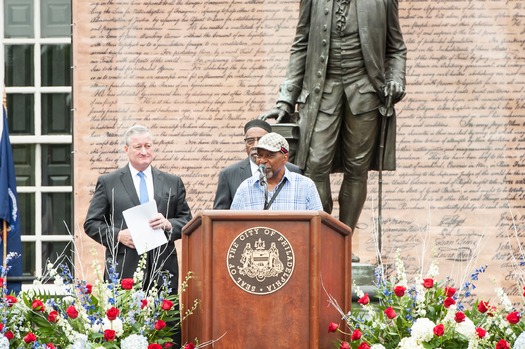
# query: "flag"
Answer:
x=9 y=206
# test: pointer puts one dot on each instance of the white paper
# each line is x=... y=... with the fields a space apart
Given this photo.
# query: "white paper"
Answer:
x=144 y=237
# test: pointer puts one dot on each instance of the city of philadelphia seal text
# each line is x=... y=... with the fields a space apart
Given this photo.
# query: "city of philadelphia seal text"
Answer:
x=260 y=260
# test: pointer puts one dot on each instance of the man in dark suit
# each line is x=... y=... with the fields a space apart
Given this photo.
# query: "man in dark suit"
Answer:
x=347 y=62
x=127 y=187
x=232 y=176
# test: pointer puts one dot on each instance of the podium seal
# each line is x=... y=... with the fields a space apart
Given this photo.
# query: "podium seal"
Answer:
x=260 y=260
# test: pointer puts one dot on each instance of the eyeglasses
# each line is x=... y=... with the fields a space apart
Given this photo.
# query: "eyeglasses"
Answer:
x=252 y=140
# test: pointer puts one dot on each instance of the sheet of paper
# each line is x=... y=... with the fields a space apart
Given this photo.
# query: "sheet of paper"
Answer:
x=144 y=237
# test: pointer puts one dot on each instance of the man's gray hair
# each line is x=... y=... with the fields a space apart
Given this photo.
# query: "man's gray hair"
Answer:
x=135 y=130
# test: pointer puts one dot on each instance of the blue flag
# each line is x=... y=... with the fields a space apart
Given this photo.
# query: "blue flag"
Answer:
x=9 y=207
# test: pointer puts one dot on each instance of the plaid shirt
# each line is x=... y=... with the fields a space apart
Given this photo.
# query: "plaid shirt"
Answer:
x=298 y=193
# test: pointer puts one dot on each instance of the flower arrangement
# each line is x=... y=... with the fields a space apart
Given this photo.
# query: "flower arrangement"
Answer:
x=430 y=314
x=105 y=314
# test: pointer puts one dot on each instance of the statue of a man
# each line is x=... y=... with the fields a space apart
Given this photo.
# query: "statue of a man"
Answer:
x=347 y=62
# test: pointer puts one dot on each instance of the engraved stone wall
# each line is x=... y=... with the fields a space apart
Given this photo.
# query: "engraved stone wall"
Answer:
x=196 y=71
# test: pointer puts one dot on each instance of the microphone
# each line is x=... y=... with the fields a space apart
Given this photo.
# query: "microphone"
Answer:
x=262 y=174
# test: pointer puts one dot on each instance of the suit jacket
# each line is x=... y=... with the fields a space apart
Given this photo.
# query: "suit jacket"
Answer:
x=114 y=193
x=384 y=54
x=231 y=177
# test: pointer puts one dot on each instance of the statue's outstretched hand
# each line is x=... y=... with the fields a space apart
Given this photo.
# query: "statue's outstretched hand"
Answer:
x=275 y=113
x=280 y=112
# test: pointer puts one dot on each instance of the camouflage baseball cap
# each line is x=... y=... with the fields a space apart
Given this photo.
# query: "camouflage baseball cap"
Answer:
x=273 y=142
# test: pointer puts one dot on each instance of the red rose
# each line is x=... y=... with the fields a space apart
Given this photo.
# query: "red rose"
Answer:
x=159 y=325
x=9 y=335
x=72 y=312
x=11 y=300
x=459 y=317
x=37 y=305
x=50 y=346
x=154 y=346
x=1 y=282
x=428 y=283
x=390 y=313
x=112 y=313
x=481 y=332
x=190 y=345
x=110 y=335
x=483 y=306
x=332 y=327
x=448 y=302
x=144 y=303
x=363 y=345
x=439 y=330
x=89 y=288
x=364 y=300
x=30 y=338
x=344 y=345
x=400 y=291
x=53 y=316
x=169 y=345
x=513 y=318
x=1 y=326
x=356 y=334
x=166 y=305
x=450 y=291
x=502 y=344
x=127 y=284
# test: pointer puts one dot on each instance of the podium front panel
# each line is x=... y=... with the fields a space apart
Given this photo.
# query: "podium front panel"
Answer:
x=257 y=310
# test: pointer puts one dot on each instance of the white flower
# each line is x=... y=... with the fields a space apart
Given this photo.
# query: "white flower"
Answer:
x=451 y=313
x=4 y=343
x=400 y=270
x=359 y=293
x=467 y=328
x=377 y=346
x=134 y=341
x=115 y=325
x=409 y=343
x=69 y=299
x=433 y=270
x=420 y=297
x=520 y=342
x=504 y=299
x=422 y=330
x=80 y=342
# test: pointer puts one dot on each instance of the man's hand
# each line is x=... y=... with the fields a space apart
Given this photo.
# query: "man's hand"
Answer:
x=124 y=237
x=159 y=222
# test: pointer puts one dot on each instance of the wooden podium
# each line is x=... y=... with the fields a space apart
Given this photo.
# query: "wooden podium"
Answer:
x=261 y=276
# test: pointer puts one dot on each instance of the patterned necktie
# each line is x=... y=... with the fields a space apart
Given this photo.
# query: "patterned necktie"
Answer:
x=143 y=188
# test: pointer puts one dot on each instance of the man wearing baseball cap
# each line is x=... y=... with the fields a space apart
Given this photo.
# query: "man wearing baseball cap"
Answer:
x=274 y=187
x=232 y=176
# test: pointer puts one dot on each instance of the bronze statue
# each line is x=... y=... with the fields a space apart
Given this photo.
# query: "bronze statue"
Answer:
x=347 y=62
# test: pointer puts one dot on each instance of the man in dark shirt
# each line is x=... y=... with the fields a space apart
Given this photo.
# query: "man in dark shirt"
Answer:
x=232 y=176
